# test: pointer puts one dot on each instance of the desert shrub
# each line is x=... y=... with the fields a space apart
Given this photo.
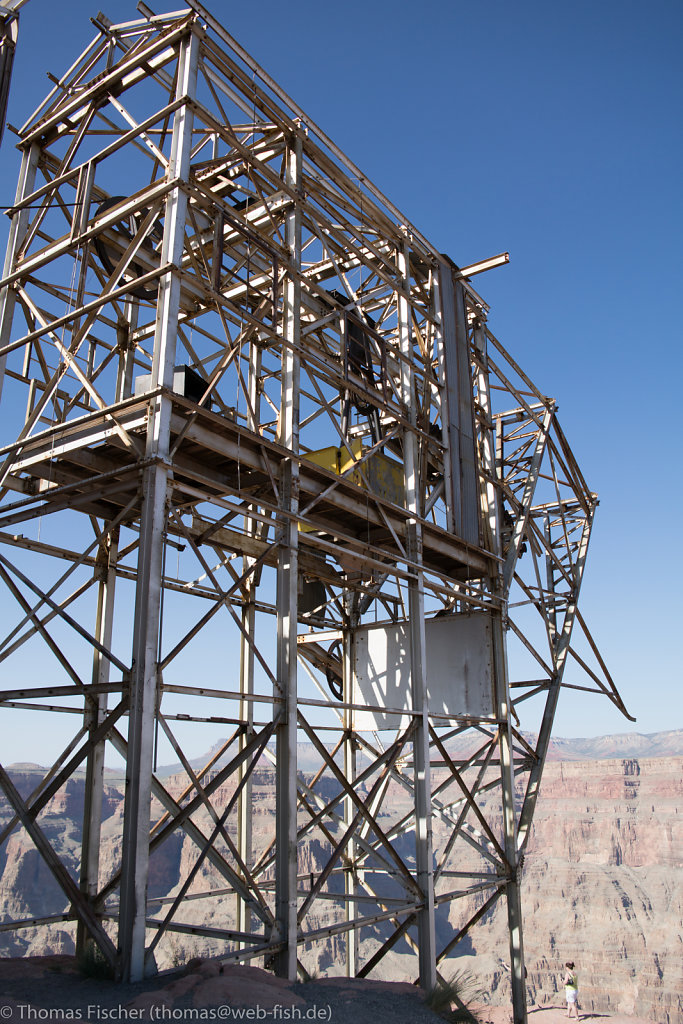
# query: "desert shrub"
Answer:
x=92 y=963
x=449 y=999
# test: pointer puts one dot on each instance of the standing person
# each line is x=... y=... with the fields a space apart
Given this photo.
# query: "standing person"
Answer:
x=571 y=989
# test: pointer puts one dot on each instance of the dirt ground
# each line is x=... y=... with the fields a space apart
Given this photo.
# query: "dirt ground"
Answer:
x=52 y=989
x=556 y=1014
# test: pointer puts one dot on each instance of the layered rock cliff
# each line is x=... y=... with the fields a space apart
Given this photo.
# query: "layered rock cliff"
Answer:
x=602 y=886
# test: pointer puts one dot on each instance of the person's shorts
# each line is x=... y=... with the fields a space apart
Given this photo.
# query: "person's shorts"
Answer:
x=572 y=995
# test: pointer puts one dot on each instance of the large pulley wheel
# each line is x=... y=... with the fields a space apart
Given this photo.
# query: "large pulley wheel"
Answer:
x=334 y=675
x=125 y=230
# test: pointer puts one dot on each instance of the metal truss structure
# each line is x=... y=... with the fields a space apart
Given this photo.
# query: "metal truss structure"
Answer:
x=253 y=410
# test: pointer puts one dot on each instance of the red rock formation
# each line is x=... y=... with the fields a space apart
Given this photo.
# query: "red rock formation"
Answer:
x=602 y=885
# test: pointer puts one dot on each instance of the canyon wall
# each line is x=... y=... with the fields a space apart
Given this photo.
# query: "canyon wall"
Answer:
x=602 y=886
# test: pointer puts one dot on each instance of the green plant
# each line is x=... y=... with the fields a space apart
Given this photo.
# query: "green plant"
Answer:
x=92 y=963
x=310 y=975
x=449 y=999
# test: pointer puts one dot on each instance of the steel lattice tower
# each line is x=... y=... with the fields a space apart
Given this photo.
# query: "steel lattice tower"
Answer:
x=222 y=347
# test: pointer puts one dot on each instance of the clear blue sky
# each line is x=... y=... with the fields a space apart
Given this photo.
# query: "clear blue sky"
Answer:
x=552 y=131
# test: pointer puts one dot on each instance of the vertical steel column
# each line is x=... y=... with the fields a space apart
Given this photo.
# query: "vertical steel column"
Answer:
x=287 y=587
x=126 y=348
x=493 y=527
x=9 y=31
x=350 y=771
x=155 y=484
x=17 y=232
x=246 y=716
x=512 y=890
x=440 y=345
x=94 y=716
x=421 y=758
x=247 y=641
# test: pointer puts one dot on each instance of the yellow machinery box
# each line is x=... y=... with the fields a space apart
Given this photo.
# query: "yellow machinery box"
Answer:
x=378 y=474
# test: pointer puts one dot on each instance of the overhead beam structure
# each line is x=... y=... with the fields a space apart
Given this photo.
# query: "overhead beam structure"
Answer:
x=264 y=467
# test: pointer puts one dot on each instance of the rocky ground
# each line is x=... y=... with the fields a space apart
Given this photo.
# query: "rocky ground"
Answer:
x=52 y=989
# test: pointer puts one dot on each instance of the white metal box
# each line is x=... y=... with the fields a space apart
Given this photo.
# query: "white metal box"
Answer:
x=458 y=665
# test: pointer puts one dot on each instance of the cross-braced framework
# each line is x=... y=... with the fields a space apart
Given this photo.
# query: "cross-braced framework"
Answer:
x=253 y=410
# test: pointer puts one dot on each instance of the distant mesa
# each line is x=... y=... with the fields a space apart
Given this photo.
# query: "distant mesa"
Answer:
x=593 y=748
